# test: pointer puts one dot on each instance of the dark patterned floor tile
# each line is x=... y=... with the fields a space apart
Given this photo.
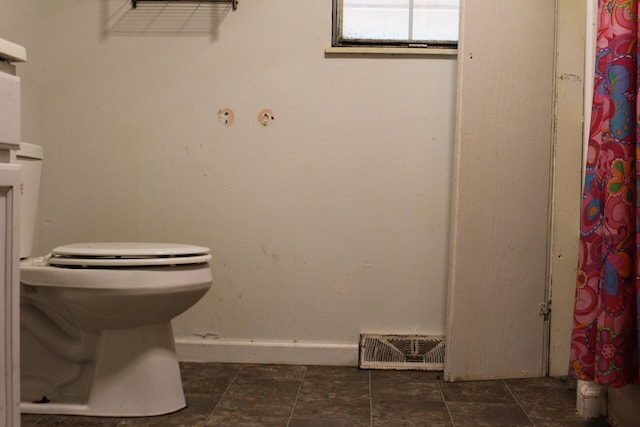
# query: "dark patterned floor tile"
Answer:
x=354 y=409
x=476 y=391
x=221 y=394
x=199 y=407
x=336 y=372
x=29 y=420
x=602 y=422
x=76 y=421
x=555 y=415
x=162 y=422
x=392 y=389
x=487 y=414
x=415 y=423
x=543 y=392
x=245 y=421
x=258 y=406
x=551 y=382
x=270 y=372
x=207 y=377
x=328 y=422
x=198 y=403
x=334 y=387
x=396 y=375
x=409 y=412
x=284 y=389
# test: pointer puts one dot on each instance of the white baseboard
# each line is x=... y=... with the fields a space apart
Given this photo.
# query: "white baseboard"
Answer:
x=220 y=350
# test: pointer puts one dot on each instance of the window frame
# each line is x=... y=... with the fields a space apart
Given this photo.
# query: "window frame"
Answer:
x=338 y=41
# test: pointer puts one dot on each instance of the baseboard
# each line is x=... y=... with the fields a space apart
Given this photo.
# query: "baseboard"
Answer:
x=268 y=352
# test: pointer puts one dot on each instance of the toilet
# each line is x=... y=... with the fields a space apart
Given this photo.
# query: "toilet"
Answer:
x=95 y=318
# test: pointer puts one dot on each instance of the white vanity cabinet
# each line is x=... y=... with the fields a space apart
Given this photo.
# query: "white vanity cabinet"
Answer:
x=9 y=234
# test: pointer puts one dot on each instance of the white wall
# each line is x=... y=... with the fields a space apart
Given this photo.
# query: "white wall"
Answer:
x=18 y=24
x=331 y=222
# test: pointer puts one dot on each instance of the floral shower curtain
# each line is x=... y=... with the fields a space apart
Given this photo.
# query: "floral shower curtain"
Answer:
x=604 y=342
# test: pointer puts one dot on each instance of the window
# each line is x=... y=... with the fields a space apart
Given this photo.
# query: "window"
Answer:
x=395 y=22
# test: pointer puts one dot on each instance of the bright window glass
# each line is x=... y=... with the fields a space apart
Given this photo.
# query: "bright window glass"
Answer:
x=409 y=21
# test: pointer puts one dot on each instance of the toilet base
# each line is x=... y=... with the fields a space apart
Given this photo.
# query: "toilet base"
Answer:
x=136 y=374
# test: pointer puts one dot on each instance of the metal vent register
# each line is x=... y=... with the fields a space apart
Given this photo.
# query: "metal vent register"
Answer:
x=417 y=352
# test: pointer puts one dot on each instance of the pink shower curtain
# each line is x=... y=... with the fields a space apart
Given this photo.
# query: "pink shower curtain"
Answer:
x=604 y=342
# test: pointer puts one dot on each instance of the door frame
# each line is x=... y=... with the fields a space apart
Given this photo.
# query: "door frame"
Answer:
x=569 y=126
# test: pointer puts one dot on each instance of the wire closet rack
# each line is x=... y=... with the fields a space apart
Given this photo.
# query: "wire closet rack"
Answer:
x=233 y=3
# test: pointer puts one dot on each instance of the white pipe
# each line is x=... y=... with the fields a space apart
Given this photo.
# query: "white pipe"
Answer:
x=591 y=400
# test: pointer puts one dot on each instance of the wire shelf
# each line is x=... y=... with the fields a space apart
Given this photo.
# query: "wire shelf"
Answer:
x=233 y=3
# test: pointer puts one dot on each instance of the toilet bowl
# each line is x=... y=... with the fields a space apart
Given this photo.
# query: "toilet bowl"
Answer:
x=95 y=325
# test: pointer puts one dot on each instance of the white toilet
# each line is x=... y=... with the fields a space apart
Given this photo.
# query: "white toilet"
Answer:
x=95 y=319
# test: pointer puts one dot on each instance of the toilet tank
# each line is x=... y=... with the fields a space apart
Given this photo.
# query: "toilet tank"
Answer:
x=29 y=157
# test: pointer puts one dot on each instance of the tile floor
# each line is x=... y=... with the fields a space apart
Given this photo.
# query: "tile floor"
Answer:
x=220 y=394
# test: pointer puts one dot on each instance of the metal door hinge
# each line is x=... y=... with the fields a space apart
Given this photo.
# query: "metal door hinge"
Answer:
x=544 y=309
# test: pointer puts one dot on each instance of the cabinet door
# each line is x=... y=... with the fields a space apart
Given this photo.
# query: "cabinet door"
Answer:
x=10 y=296
x=9 y=109
x=498 y=262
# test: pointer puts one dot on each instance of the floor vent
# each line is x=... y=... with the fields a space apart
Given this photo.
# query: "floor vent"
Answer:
x=417 y=352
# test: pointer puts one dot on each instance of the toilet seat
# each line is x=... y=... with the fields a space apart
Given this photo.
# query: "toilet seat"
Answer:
x=127 y=254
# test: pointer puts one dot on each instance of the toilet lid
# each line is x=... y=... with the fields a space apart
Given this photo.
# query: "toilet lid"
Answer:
x=128 y=254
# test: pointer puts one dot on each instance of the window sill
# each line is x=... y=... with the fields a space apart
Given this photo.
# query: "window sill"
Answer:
x=357 y=50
